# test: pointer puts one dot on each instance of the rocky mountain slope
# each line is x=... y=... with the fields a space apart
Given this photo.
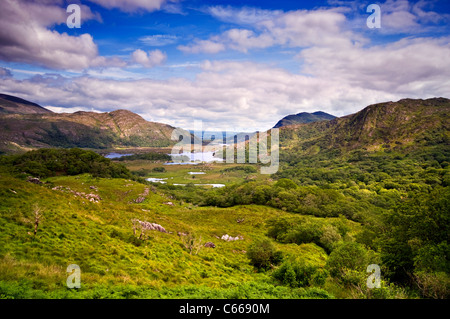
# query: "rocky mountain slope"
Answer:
x=391 y=125
x=23 y=129
x=13 y=105
x=304 y=117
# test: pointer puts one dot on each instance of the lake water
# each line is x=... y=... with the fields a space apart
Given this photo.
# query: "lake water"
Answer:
x=196 y=157
x=213 y=185
x=116 y=155
x=156 y=180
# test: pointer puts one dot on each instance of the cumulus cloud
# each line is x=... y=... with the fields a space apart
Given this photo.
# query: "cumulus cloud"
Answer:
x=299 y=28
x=320 y=27
x=25 y=36
x=149 y=59
x=233 y=95
x=405 y=16
x=400 y=67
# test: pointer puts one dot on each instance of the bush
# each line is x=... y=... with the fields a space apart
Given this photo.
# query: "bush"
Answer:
x=330 y=238
x=246 y=168
x=434 y=285
x=263 y=254
x=346 y=258
x=286 y=184
x=299 y=274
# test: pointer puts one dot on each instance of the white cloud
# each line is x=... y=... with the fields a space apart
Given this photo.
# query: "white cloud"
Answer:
x=397 y=16
x=300 y=28
x=158 y=40
x=150 y=59
x=242 y=16
x=396 y=67
x=25 y=37
x=234 y=95
x=203 y=46
x=57 y=109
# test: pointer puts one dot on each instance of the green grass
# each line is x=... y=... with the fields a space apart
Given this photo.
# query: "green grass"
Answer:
x=114 y=263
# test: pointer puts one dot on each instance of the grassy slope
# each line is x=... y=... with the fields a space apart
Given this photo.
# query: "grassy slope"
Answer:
x=114 y=264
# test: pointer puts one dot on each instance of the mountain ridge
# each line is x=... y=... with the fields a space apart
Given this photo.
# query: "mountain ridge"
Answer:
x=26 y=130
x=303 y=118
x=388 y=125
x=10 y=104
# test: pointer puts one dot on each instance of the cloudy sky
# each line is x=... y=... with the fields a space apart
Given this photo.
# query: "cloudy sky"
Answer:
x=235 y=65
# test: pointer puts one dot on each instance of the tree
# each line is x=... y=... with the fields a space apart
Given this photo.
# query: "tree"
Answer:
x=330 y=238
x=348 y=257
x=263 y=254
x=416 y=236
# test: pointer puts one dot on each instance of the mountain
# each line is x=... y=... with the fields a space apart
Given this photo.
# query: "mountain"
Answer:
x=405 y=124
x=121 y=128
x=13 y=105
x=304 y=117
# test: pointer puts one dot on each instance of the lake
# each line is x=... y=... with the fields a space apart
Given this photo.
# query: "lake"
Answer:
x=195 y=157
x=116 y=155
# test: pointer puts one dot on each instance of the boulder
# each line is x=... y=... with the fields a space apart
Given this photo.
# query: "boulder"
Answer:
x=210 y=245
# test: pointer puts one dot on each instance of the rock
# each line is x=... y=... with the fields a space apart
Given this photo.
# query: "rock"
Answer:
x=150 y=226
x=210 y=245
x=169 y=203
x=227 y=237
x=140 y=199
x=34 y=180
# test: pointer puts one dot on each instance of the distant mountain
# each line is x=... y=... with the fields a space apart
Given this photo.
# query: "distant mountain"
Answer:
x=24 y=130
x=401 y=125
x=13 y=105
x=304 y=117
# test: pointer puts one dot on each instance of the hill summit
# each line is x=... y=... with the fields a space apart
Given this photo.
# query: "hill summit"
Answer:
x=304 y=117
x=405 y=124
x=26 y=125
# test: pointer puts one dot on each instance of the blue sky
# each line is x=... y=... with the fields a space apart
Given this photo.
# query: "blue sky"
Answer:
x=234 y=65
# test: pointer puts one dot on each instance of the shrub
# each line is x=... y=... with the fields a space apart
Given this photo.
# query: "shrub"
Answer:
x=286 y=184
x=263 y=254
x=329 y=239
x=348 y=257
x=298 y=274
x=434 y=285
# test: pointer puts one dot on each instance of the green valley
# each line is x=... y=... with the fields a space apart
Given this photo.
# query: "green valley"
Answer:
x=350 y=192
